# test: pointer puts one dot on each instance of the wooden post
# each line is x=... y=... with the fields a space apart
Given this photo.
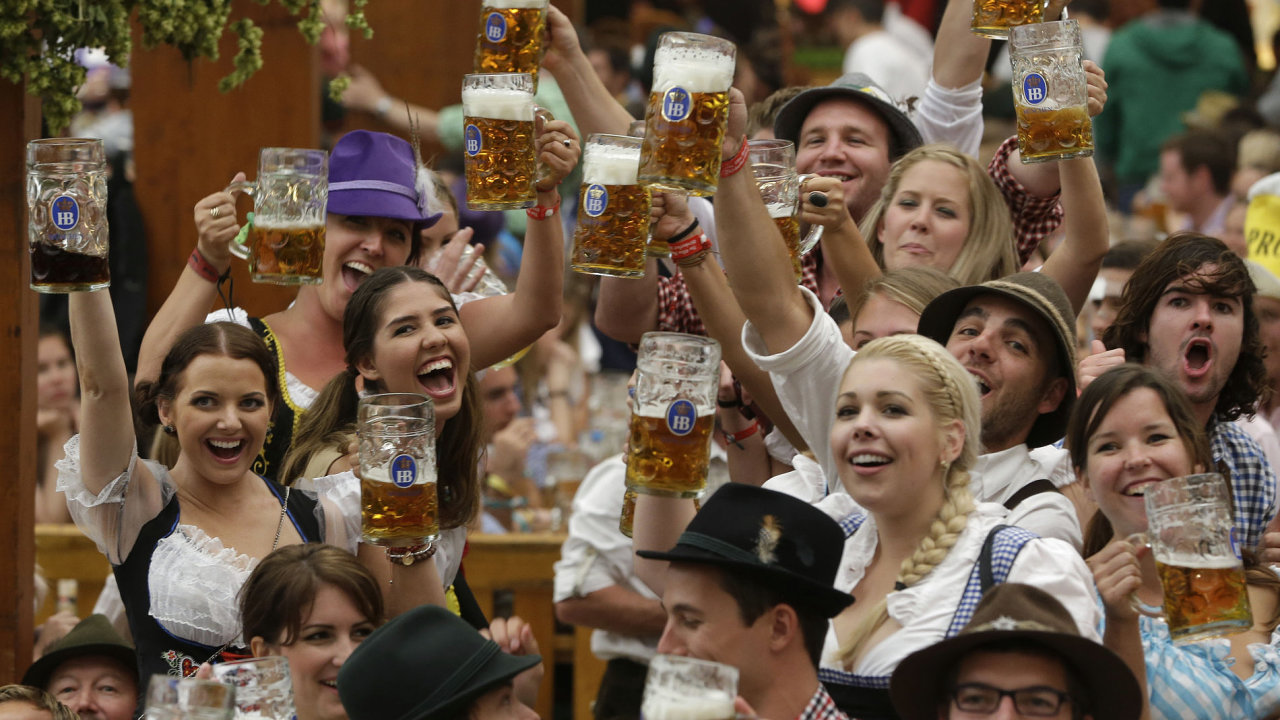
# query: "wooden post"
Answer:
x=19 y=122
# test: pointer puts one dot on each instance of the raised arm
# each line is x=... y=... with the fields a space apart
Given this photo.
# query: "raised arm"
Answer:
x=593 y=108
x=192 y=296
x=843 y=246
x=106 y=417
x=500 y=326
x=657 y=526
x=628 y=307
x=959 y=56
x=753 y=251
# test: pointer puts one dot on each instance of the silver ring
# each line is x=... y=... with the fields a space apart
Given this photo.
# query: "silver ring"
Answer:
x=568 y=143
x=213 y=212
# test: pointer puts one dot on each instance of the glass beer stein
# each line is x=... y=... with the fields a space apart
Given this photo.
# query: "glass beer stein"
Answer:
x=673 y=414
x=183 y=698
x=264 y=688
x=995 y=18
x=684 y=688
x=398 y=504
x=512 y=38
x=285 y=245
x=1192 y=537
x=773 y=162
x=613 y=209
x=687 y=112
x=67 y=215
x=1050 y=93
x=498 y=147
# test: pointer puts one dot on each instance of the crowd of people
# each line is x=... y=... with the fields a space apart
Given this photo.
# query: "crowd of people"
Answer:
x=930 y=456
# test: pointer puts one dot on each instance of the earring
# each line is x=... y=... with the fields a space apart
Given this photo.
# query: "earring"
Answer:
x=170 y=430
x=946 y=466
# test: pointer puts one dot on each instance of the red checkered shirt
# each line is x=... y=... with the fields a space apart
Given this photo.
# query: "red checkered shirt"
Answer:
x=675 y=308
x=821 y=707
x=1034 y=218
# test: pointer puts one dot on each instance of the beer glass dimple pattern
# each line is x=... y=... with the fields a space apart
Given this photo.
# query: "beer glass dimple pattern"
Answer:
x=613 y=209
x=684 y=688
x=673 y=414
x=264 y=689
x=67 y=215
x=1050 y=93
x=687 y=111
x=1192 y=537
x=185 y=698
x=995 y=18
x=511 y=38
x=498 y=135
x=398 y=503
x=773 y=162
x=285 y=245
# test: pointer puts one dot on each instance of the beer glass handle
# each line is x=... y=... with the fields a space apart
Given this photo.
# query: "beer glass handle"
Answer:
x=1141 y=540
x=237 y=246
x=815 y=233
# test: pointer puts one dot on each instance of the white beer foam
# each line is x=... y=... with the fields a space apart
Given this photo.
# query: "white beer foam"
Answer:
x=698 y=70
x=1198 y=562
x=780 y=210
x=505 y=4
x=608 y=165
x=498 y=104
x=664 y=706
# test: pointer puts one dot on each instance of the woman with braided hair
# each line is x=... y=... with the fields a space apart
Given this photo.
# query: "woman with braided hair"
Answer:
x=906 y=432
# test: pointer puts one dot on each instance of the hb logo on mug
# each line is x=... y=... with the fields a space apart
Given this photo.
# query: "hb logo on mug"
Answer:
x=676 y=104
x=680 y=417
x=65 y=212
x=404 y=471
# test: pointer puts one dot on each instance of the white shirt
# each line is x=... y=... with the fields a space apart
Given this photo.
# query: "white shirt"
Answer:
x=925 y=610
x=895 y=66
x=997 y=476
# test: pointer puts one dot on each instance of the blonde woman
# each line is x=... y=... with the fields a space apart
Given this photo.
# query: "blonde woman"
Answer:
x=905 y=434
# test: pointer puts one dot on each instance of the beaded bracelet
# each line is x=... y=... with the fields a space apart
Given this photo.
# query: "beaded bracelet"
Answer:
x=407 y=556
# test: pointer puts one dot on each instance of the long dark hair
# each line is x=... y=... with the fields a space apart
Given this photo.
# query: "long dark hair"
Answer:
x=1092 y=408
x=330 y=422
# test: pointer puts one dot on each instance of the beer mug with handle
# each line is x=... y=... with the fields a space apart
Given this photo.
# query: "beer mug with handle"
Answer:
x=674 y=412
x=512 y=38
x=1192 y=536
x=285 y=244
x=687 y=113
x=183 y=698
x=613 y=211
x=264 y=688
x=995 y=18
x=398 y=504
x=67 y=215
x=498 y=141
x=773 y=162
x=1050 y=91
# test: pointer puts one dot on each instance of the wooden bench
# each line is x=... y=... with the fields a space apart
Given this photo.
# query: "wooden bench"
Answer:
x=64 y=553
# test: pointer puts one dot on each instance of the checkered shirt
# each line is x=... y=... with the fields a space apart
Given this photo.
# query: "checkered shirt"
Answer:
x=1252 y=480
x=1034 y=218
x=821 y=707
x=675 y=308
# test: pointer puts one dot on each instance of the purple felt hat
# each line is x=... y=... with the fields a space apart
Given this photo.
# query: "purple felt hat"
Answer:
x=374 y=174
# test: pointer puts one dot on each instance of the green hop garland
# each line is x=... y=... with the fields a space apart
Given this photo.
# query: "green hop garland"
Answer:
x=39 y=38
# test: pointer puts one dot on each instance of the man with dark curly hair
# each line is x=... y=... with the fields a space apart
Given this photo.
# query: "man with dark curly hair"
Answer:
x=1188 y=311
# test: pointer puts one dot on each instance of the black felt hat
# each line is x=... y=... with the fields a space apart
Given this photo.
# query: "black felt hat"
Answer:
x=92 y=636
x=770 y=536
x=426 y=664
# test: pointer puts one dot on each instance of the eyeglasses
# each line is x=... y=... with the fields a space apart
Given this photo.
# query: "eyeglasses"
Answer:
x=1038 y=701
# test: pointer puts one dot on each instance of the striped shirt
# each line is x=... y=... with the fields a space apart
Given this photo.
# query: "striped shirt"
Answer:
x=1252 y=480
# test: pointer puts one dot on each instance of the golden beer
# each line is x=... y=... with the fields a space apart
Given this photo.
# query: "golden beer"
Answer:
x=1054 y=134
x=394 y=516
x=1202 y=601
x=498 y=141
x=994 y=18
x=286 y=255
x=512 y=33
x=687 y=111
x=662 y=462
x=612 y=240
x=790 y=229
x=627 y=519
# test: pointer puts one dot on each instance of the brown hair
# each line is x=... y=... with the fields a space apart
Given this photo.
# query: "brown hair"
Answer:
x=331 y=420
x=220 y=338
x=1092 y=408
x=281 y=590
x=39 y=698
x=1181 y=256
x=1212 y=149
x=913 y=287
x=762 y=114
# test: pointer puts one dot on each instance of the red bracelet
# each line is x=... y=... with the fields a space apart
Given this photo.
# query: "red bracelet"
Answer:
x=735 y=163
x=738 y=437
x=686 y=248
x=203 y=267
x=542 y=212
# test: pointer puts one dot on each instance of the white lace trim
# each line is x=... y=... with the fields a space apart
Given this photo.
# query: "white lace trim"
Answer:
x=194 y=580
x=71 y=482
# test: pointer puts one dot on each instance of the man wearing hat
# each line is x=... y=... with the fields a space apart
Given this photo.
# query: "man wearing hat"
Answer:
x=1020 y=656
x=429 y=664
x=750 y=585
x=91 y=670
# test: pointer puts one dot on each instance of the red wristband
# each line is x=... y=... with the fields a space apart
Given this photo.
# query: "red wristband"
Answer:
x=687 y=247
x=738 y=437
x=542 y=212
x=203 y=267
x=735 y=163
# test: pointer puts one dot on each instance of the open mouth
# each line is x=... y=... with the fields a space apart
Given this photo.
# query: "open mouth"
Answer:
x=1198 y=355
x=870 y=460
x=225 y=449
x=1138 y=489
x=438 y=378
x=842 y=177
x=354 y=272
x=330 y=684
x=984 y=388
